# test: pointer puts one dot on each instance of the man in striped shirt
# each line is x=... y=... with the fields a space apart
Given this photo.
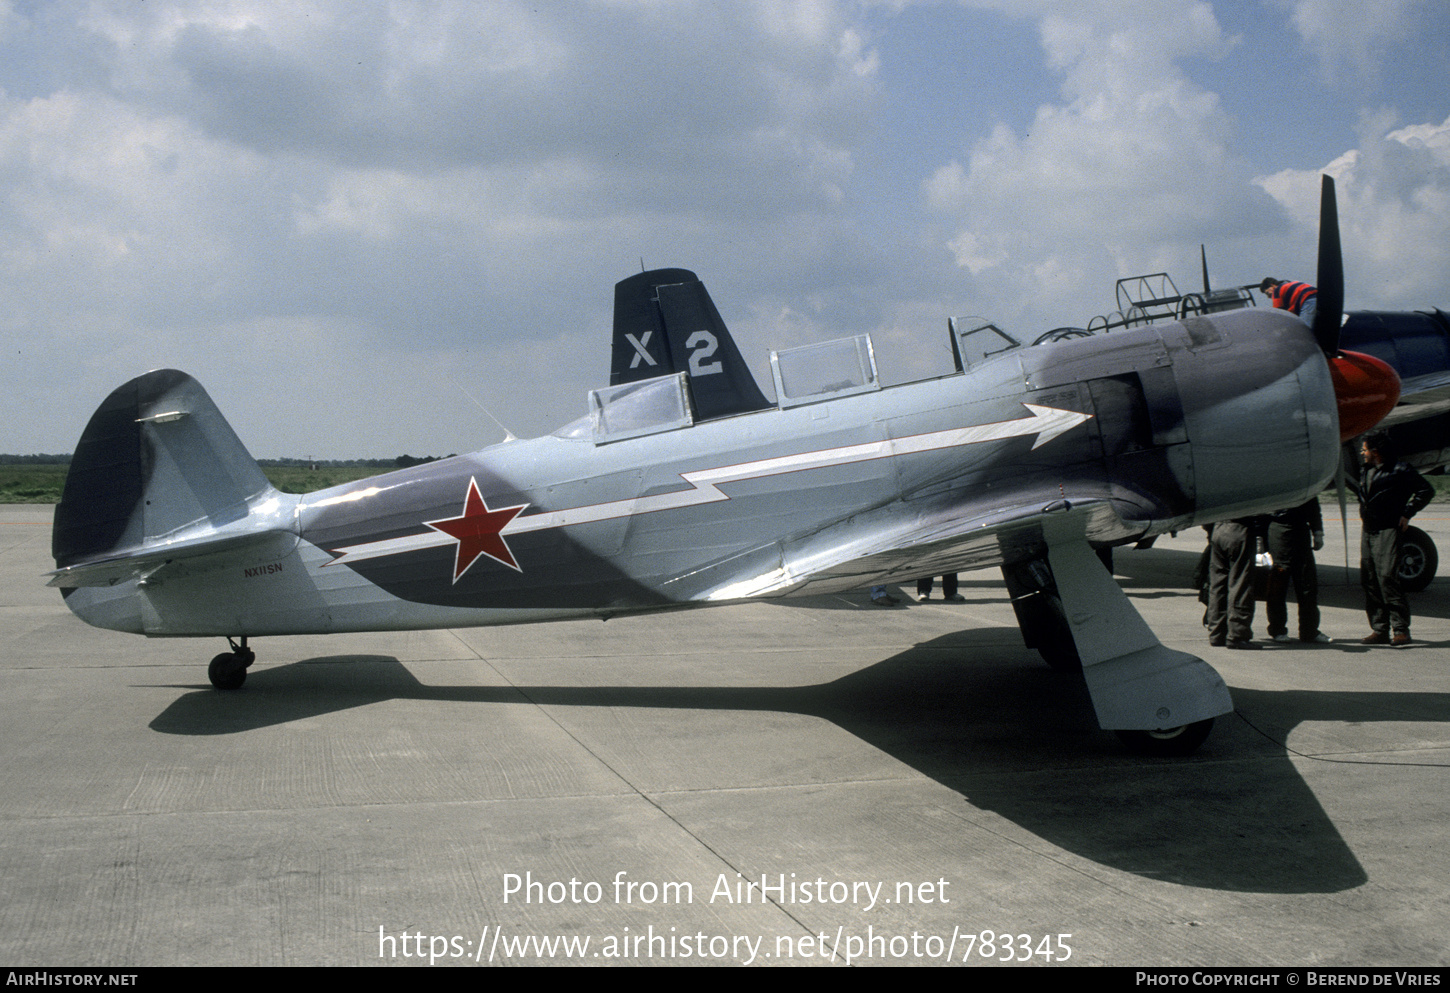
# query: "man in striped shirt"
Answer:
x=1296 y=298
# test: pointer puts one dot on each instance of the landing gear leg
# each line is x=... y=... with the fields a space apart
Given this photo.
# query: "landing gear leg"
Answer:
x=1038 y=607
x=228 y=671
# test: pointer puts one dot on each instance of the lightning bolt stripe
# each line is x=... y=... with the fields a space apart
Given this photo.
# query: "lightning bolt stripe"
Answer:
x=1045 y=422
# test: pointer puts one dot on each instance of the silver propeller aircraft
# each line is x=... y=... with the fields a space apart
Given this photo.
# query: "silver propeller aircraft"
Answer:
x=684 y=486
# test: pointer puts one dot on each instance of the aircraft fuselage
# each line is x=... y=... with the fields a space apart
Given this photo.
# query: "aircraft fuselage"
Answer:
x=1113 y=438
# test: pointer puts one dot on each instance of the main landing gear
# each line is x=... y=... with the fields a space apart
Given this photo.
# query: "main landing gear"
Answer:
x=1077 y=617
x=1169 y=742
x=1040 y=614
x=228 y=671
x=1418 y=560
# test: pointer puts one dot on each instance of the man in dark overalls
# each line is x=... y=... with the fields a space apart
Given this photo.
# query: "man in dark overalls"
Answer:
x=1390 y=493
x=1234 y=546
x=1295 y=534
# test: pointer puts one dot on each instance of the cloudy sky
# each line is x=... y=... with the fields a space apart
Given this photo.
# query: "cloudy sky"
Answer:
x=355 y=222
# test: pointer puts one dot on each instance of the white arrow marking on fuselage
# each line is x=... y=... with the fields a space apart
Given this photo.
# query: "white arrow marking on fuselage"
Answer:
x=1045 y=422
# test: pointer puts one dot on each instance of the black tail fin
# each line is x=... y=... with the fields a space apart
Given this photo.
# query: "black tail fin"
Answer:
x=665 y=322
x=156 y=458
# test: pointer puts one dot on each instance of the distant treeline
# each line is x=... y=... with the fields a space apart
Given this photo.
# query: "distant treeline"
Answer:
x=401 y=462
x=34 y=459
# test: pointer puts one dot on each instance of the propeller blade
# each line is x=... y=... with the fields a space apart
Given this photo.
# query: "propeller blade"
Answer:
x=1330 y=306
x=1365 y=388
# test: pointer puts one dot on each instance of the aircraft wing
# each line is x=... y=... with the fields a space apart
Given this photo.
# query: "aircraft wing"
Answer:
x=1420 y=397
x=1135 y=681
x=864 y=553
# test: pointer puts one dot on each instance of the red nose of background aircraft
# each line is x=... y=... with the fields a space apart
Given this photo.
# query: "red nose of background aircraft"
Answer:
x=1365 y=390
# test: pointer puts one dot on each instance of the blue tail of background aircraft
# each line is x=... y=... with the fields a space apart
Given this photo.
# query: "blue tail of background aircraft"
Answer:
x=665 y=322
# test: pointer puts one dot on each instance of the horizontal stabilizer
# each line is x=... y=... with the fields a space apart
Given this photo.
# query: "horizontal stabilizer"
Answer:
x=237 y=550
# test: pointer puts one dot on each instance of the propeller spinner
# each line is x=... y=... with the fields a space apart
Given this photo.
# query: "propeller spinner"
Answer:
x=1365 y=388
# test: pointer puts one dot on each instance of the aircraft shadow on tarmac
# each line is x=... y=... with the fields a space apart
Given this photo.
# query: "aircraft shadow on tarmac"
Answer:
x=979 y=717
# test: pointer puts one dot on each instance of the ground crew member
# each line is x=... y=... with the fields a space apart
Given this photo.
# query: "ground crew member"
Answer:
x=1296 y=298
x=1390 y=493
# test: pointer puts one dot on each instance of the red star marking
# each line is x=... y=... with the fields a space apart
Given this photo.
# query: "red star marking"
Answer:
x=477 y=532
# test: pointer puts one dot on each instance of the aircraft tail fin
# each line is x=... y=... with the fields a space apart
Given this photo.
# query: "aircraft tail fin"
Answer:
x=665 y=322
x=156 y=463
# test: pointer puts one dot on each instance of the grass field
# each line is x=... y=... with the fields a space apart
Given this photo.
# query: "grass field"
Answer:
x=31 y=483
x=295 y=479
x=43 y=483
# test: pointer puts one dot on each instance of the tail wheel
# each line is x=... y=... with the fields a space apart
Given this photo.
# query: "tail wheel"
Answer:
x=1167 y=742
x=228 y=671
